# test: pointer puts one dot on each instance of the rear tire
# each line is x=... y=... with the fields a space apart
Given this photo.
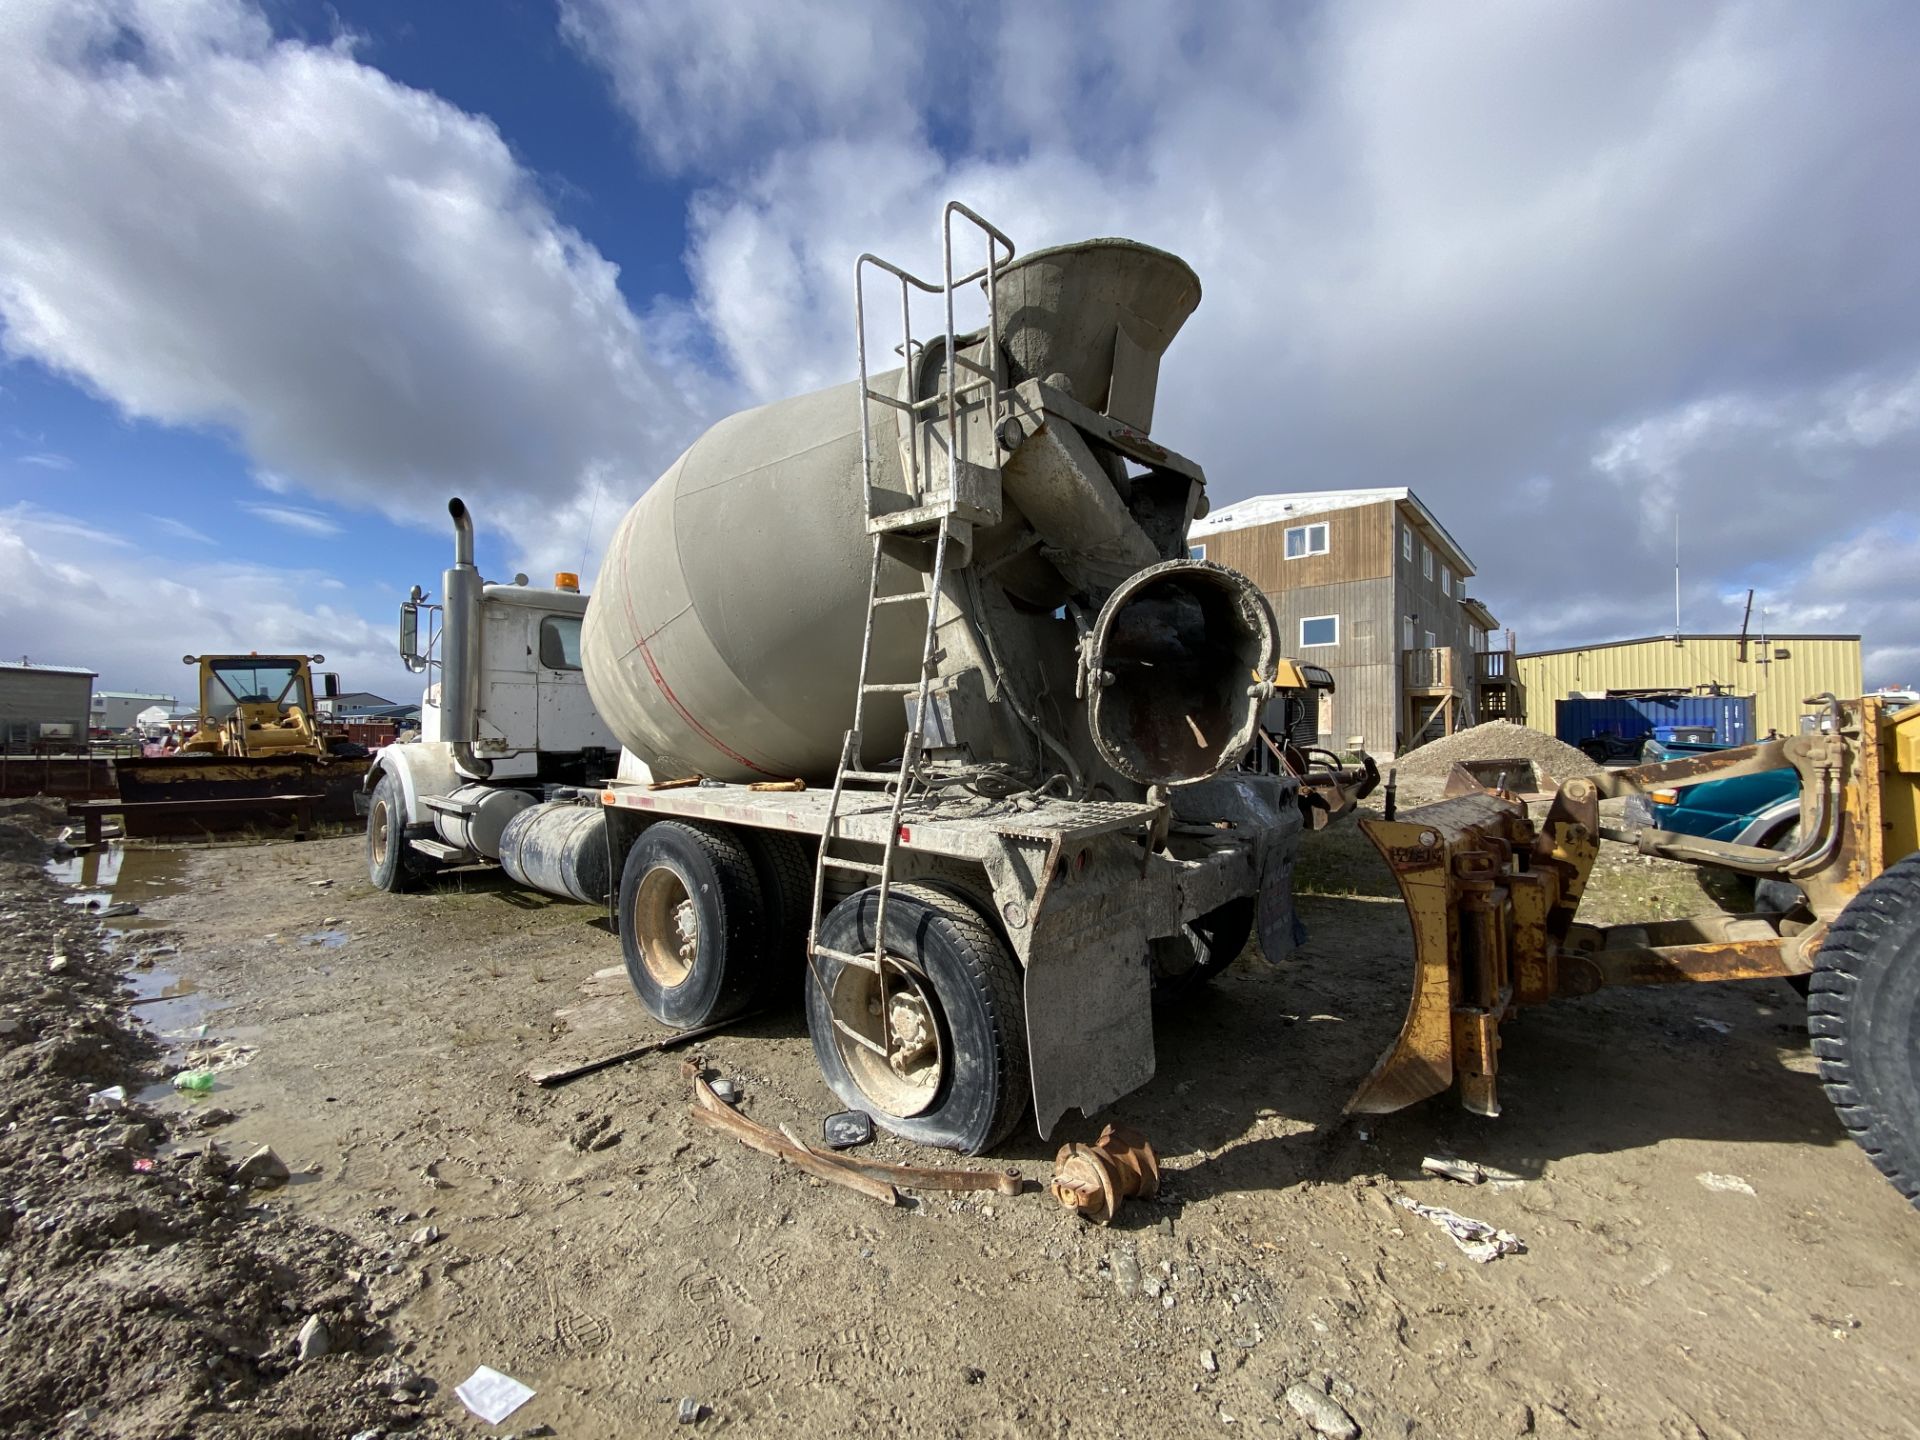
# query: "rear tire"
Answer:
x=784 y=866
x=392 y=864
x=958 y=994
x=1864 y=1015
x=691 y=929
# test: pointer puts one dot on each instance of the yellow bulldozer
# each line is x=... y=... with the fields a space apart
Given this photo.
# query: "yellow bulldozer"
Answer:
x=258 y=737
x=1493 y=898
x=255 y=705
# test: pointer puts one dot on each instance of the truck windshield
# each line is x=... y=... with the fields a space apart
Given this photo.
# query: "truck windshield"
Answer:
x=560 y=642
x=252 y=680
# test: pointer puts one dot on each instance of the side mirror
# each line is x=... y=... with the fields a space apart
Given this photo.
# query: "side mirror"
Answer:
x=330 y=684
x=410 y=633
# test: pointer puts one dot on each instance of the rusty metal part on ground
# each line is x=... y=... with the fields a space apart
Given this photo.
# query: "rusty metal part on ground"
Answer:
x=873 y=1179
x=1093 y=1180
x=1492 y=896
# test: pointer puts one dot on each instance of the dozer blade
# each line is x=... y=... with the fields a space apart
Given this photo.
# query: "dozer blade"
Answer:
x=1449 y=860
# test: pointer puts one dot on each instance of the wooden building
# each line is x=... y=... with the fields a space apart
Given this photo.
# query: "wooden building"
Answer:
x=1779 y=671
x=1369 y=584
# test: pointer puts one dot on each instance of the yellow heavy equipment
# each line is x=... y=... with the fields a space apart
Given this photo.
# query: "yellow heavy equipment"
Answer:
x=1493 y=898
x=255 y=705
x=258 y=738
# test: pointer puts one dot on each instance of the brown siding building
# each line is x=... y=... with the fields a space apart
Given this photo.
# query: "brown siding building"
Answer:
x=1370 y=585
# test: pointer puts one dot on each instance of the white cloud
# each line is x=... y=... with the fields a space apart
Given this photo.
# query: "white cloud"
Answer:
x=132 y=620
x=46 y=460
x=179 y=529
x=1553 y=266
x=209 y=226
x=292 y=517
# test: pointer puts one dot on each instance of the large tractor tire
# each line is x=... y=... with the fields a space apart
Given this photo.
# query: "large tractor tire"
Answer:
x=958 y=1074
x=1864 y=1014
x=691 y=926
x=392 y=864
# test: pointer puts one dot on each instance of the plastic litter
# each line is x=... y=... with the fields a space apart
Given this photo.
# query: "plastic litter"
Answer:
x=194 y=1082
x=1478 y=1241
x=491 y=1395
x=1732 y=1183
x=111 y=1098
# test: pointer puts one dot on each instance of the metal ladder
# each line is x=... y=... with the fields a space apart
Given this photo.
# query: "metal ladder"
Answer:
x=928 y=516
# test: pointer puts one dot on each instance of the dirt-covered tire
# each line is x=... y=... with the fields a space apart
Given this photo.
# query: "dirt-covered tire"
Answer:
x=980 y=1086
x=392 y=864
x=1864 y=1015
x=784 y=866
x=1180 y=965
x=691 y=924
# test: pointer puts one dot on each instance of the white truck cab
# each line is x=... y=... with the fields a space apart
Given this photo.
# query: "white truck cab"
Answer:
x=508 y=737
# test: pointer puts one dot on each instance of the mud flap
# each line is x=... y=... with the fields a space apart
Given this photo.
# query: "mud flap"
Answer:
x=1089 y=1026
x=1277 y=922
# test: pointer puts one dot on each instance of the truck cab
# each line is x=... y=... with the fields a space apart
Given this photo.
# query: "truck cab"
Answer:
x=508 y=736
x=535 y=718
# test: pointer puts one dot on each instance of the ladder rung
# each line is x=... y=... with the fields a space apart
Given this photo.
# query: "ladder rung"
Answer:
x=877 y=777
x=859 y=1039
x=862 y=962
x=909 y=688
x=965 y=364
x=863 y=867
x=906 y=599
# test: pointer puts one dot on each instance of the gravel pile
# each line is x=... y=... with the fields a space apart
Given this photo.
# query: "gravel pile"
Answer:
x=1496 y=740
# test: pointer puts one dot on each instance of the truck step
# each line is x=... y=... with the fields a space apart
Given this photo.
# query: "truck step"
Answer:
x=446 y=805
x=440 y=850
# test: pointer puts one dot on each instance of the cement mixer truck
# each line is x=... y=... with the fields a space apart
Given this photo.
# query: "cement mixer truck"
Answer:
x=922 y=709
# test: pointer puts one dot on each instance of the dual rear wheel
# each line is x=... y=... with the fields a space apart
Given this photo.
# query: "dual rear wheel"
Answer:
x=929 y=1041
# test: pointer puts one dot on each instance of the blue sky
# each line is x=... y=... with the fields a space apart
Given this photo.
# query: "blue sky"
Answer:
x=277 y=277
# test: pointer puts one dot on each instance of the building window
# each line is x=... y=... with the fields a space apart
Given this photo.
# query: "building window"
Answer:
x=1446 y=581
x=1406 y=542
x=1406 y=632
x=1426 y=561
x=1196 y=552
x=1430 y=644
x=1319 y=630
x=1304 y=540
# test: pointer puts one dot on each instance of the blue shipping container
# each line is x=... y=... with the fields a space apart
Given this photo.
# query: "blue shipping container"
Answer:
x=1731 y=716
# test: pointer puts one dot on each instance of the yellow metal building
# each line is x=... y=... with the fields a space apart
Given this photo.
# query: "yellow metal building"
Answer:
x=1780 y=672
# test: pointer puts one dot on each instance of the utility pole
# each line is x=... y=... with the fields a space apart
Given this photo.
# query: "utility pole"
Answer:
x=1676 y=569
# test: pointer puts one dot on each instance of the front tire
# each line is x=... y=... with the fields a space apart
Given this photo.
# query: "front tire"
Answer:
x=393 y=865
x=691 y=928
x=958 y=1074
x=1864 y=1015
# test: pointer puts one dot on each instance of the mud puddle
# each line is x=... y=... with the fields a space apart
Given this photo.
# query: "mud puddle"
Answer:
x=115 y=881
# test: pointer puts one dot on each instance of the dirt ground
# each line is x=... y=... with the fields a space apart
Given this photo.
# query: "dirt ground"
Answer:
x=1706 y=1254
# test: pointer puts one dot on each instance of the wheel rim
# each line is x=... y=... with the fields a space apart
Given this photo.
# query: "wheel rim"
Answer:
x=379 y=831
x=667 y=926
x=906 y=1078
